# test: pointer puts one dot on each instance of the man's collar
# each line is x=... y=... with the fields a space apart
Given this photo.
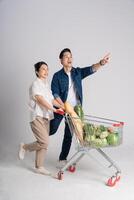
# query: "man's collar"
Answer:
x=72 y=70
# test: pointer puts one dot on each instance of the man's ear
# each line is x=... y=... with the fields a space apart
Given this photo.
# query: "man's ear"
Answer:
x=61 y=61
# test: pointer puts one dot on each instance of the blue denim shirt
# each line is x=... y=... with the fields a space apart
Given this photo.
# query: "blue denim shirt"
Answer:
x=60 y=82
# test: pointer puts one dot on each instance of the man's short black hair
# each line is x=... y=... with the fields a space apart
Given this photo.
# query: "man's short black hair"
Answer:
x=38 y=65
x=63 y=51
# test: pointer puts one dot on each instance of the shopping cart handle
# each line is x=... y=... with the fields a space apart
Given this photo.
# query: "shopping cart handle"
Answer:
x=118 y=124
x=60 y=112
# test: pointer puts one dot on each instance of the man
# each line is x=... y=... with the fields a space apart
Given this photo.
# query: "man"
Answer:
x=67 y=86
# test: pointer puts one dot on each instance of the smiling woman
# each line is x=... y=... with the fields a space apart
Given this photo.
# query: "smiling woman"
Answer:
x=41 y=112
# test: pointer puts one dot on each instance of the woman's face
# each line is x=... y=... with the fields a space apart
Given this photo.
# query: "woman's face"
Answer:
x=43 y=72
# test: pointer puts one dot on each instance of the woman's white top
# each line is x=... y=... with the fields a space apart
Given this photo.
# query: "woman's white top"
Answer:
x=40 y=87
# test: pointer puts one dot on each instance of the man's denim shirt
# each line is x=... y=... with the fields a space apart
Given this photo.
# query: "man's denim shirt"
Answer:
x=60 y=82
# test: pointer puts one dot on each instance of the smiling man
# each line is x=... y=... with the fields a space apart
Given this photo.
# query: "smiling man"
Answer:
x=67 y=86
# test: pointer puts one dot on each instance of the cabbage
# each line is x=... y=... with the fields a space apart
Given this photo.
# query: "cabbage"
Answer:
x=113 y=139
x=104 y=134
x=96 y=143
x=104 y=142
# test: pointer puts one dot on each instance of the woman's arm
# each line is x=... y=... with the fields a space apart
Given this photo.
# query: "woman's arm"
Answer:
x=40 y=100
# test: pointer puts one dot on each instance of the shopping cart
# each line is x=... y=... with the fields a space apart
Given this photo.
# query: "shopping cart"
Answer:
x=93 y=132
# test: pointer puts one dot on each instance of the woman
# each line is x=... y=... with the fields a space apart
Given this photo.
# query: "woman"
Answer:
x=41 y=112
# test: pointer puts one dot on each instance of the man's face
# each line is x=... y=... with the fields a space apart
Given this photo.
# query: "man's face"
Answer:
x=66 y=61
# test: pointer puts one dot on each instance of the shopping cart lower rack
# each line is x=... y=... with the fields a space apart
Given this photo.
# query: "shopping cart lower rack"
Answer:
x=93 y=132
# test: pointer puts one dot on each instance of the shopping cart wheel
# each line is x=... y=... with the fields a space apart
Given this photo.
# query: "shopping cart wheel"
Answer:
x=72 y=168
x=118 y=177
x=111 y=181
x=60 y=175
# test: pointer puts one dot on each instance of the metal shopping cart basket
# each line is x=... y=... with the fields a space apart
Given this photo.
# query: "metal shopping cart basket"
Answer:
x=93 y=132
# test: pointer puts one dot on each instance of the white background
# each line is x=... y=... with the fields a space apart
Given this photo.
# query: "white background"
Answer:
x=35 y=30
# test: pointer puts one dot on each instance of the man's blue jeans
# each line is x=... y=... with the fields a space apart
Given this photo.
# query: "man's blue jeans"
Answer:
x=67 y=140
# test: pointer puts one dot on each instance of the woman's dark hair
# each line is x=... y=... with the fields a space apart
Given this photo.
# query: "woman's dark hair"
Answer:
x=64 y=51
x=38 y=65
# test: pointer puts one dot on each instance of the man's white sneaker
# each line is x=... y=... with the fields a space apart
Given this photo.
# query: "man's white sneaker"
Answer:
x=22 y=151
x=61 y=163
x=42 y=170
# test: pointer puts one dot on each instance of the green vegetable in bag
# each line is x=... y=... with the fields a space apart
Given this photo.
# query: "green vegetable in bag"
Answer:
x=104 y=142
x=104 y=134
x=97 y=143
x=113 y=139
x=78 y=109
x=102 y=128
x=88 y=129
x=90 y=138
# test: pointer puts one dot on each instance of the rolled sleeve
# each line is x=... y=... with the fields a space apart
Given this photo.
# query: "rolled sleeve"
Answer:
x=86 y=71
x=56 y=96
x=55 y=86
x=36 y=90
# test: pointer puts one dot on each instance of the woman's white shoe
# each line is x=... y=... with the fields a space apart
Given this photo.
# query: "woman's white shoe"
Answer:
x=22 y=151
x=42 y=170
